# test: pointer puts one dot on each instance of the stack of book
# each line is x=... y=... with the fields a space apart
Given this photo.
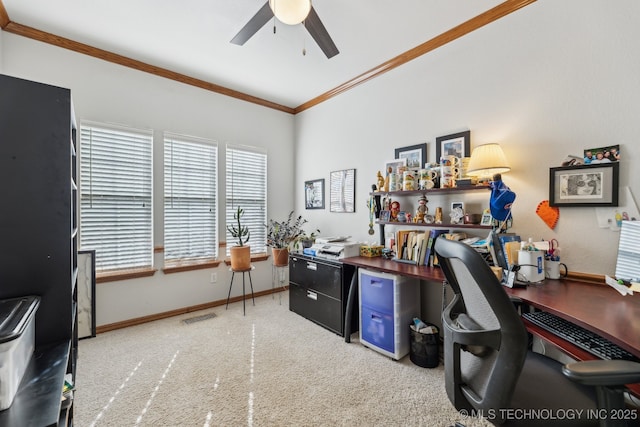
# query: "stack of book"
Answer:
x=416 y=246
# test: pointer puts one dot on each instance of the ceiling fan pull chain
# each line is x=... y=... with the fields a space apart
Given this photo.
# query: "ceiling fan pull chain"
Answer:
x=304 y=41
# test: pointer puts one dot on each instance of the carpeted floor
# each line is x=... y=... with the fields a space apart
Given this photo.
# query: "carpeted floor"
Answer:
x=269 y=368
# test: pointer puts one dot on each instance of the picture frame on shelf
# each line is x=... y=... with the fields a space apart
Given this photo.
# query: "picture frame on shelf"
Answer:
x=455 y=205
x=487 y=219
x=393 y=165
x=314 y=194
x=342 y=192
x=415 y=155
x=584 y=185
x=456 y=144
x=385 y=216
x=597 y=156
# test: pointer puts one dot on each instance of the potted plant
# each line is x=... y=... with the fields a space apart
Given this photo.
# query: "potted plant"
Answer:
x=241 y=253
x=282 y=234
x=306 y=240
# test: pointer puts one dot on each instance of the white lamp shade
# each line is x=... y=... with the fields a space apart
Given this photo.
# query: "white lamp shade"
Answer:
x=487 y=160
x=291 y=12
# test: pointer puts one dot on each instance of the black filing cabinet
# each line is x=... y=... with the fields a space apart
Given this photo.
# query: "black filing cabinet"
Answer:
x=318 y=290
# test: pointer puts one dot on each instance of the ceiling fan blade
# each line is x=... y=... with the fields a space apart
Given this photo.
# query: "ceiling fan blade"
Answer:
x=255 y=23
x=320 y=34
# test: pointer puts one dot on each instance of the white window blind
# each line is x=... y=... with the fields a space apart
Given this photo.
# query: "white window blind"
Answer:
x=190 y=198
x=115 y=196
x=246 y=185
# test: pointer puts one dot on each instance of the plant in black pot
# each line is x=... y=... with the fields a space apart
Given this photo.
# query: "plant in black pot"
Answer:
x=282 y=234
x=306 y=240
x=241 y=253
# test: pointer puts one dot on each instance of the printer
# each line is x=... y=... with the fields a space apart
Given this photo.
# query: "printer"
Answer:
x=333 y=248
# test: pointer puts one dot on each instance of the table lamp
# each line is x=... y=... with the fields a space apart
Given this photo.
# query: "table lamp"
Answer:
x=486 y=161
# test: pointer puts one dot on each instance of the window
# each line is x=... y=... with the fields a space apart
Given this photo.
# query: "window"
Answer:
x=246 y=185
x=190 y=198
x=115 y=196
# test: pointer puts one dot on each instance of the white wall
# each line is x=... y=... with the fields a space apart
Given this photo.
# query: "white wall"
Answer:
x=549 y=80
x=110 y=93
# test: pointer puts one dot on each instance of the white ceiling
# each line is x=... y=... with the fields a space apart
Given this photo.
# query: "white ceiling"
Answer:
x=192 y=37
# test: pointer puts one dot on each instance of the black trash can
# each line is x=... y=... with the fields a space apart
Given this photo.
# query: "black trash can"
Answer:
x=425 y=347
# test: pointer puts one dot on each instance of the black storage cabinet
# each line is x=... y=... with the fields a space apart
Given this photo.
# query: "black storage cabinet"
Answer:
x=318 y=290
x=38 y=240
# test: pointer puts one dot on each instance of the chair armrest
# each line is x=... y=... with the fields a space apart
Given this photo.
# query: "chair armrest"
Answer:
x=603 y=372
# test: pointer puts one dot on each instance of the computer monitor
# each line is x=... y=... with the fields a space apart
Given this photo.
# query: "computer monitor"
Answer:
x=628 y=262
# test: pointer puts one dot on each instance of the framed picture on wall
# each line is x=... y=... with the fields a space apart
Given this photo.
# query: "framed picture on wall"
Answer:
x=415 y=155
x=314 y=194
x=343 y=191
x=586 y=185
x=456 y=144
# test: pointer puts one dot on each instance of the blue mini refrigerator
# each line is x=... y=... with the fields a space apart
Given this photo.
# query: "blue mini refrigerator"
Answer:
x=388 y=304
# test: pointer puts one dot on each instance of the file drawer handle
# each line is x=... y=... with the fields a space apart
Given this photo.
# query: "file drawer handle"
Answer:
x=312 y=266
x=312 y=295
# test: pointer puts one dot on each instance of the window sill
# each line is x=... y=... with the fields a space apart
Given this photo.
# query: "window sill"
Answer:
x=113 y=276
x=177 y=267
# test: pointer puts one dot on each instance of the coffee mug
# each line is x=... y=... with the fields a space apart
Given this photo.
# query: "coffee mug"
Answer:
x=448 y=181
x=426 y=180
x=552 y=269
x=426 y=184
x=450 y=161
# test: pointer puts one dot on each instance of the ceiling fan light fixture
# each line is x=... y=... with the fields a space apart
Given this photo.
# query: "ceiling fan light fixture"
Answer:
x=290 y=12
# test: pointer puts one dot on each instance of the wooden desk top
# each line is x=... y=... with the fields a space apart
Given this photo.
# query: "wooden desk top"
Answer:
x=599 y=308
x=393 y=267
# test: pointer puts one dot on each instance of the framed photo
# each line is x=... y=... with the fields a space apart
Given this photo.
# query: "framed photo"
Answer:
x=416 y=155
x=314 y=194
x=393 y=165
x=456 y=205
x=385 y=216
x=343 y=191
x=457 y=144
x=585 y=185
x=486 y=219
x=596 y=156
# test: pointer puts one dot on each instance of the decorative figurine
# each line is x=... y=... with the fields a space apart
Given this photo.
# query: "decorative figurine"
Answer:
x=395 y=209
x=422 y=210
x=388 y=178
x=438 y=218
x=456 y=216
x=380 y=181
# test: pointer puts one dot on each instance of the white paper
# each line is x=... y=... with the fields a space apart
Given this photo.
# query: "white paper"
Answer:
x=617 y=286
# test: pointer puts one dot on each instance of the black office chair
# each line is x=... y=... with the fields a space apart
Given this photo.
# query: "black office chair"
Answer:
x=489 y=369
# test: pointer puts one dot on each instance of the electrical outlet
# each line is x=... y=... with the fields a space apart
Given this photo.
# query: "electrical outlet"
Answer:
x=214 y=277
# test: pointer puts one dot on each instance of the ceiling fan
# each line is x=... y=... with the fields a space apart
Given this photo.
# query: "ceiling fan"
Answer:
x=308 y=17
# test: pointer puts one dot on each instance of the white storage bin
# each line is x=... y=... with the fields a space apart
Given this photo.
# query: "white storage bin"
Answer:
x=17 y=341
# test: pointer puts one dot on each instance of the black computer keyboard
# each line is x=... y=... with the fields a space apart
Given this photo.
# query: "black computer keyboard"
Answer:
x=586 y=340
